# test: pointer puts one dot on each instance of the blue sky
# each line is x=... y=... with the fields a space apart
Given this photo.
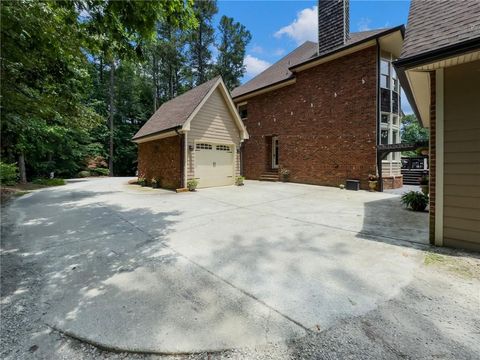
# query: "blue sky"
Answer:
x=278 y=27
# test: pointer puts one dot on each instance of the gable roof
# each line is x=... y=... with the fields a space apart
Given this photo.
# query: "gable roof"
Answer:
x=177 y=114
x=281 y=70
x=433 y=25
x=174 y=113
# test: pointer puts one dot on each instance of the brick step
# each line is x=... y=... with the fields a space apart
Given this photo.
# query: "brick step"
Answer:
x=269 y=176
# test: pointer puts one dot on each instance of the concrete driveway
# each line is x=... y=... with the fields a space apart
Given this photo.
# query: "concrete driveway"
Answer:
x=139 y=269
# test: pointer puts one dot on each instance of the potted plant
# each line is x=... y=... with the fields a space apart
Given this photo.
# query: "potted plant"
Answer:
x=285 y=174
x=155 y=183
x=416 y=200
x=424 y=184
x=239 y=180
x=422 y=151
x=372 y=182
x=192 y=184
x=141 y=181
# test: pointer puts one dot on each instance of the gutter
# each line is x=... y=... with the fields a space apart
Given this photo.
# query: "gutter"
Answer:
x=367 y=39
x=377 y=123
x=402 y=65
x=175 y=128
x=438 y=54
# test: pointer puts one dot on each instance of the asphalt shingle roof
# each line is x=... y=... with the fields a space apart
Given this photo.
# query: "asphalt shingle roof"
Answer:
x=433 y=25
x=175 y=112
x=279 y=71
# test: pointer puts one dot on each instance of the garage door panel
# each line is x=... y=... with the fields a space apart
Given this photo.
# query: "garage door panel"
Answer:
x=214 y=164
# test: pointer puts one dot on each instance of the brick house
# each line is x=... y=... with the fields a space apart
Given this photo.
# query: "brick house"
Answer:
x=320 y=111
x=439 y=68
x=193 y=136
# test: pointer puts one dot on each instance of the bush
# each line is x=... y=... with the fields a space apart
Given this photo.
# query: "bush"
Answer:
x=8 y=173
x=239 y=180
x=285 y=173
x=416 y=200
x=84 y=174
x=49 y=182
x=192 y=184
x=99 y=172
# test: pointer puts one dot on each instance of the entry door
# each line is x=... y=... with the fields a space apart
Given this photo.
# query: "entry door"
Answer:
x=274 y=152
x=214 y=164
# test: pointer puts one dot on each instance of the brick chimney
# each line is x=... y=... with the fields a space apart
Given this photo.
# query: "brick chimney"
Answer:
x=333 y=24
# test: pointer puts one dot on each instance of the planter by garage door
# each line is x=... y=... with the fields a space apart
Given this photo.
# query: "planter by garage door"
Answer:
x=214 y=164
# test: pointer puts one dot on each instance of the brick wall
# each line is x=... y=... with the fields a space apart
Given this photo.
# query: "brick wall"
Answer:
x=392 y=182
x=432 y=160
x=325 y=122
x=161 y=159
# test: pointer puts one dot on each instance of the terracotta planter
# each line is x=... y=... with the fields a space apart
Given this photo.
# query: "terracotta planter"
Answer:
x=372 y=185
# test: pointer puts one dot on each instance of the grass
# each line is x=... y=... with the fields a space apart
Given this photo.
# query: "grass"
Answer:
x=453 y=264
x=49 y=182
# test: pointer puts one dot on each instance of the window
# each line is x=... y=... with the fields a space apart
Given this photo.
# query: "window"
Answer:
x=395 y=137
x=384 y=137
x=203 y=146
x=223 y=148
x=385 y=118
x=242 y=111
x=385 y=74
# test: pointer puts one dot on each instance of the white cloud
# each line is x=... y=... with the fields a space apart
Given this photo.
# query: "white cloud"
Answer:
x=257 y=49
x=254 y=65
x=364 y=24
x=303 y=28
x=279 y=52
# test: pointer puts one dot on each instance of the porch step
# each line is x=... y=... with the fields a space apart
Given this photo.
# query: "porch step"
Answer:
x=269 y=176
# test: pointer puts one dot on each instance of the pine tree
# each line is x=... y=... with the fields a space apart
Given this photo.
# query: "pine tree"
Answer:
x=234 y=38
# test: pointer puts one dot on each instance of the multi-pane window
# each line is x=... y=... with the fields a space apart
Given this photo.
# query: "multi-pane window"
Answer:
x=203 y=146
x=385 y=74
x=223 y=148
x=384 y=137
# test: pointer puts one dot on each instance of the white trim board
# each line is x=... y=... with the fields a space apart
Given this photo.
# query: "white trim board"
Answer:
x=439 y=156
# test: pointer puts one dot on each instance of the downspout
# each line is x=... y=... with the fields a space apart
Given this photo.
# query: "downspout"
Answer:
x=378 y=126
x=183 y=157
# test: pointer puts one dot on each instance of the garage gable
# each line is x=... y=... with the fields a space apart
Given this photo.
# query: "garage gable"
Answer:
x=217 y=110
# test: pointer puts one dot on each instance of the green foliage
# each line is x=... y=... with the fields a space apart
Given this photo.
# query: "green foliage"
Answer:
x=239 y=180
x=200 y=40
x=57 y=58
x=99 y=172
x=416 y=200
x=49 y=182
x=84 y=174
x=234 y=38
x=8 y=174
x=192 y=184
x=412 y=132
x=141 y=181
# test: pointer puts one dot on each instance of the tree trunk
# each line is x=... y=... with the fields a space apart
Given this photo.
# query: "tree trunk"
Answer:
x=155 y=90
x=21 y=168
x=111 y=91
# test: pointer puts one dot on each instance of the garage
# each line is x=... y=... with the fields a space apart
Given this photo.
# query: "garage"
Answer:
x=193 y=136
x=214 y=164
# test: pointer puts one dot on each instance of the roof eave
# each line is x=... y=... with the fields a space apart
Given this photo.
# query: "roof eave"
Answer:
x=312 y=61
x=143 y=138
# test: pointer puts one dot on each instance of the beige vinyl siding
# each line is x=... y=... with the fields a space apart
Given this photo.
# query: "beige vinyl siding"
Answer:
x=214 y=123
x=461 y=224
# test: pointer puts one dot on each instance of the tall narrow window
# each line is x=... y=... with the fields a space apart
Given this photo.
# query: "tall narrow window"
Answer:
x=242 y=110
x=385 y=74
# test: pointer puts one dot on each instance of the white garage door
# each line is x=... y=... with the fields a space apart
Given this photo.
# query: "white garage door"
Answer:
x=213 y=164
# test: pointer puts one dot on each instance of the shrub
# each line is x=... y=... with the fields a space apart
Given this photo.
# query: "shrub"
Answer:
x=8 y=173
x=100 y=172
x=49 y=182
x=141 y=181
x=192 y=184
x=416 y=200
x=239 y=180
x=372 y=177
x=285 y=173
x=84 y=174
x=424 y=180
